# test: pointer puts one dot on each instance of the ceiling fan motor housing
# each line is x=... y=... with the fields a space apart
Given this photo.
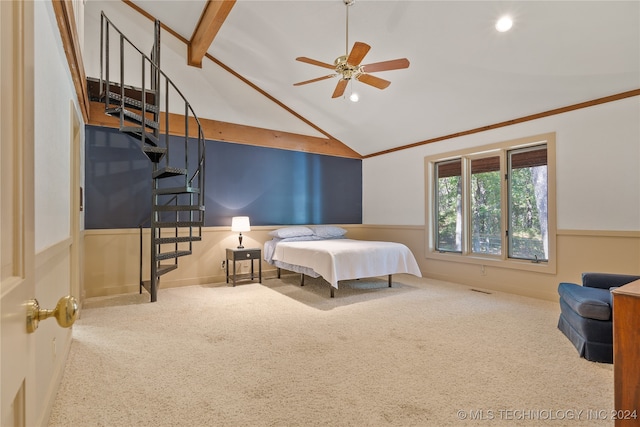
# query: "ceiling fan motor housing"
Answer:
x=345 y=70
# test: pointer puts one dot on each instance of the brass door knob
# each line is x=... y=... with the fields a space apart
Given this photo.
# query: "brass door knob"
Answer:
x=65 y=313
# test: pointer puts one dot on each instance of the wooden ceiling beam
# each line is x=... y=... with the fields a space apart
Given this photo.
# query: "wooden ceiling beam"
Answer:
x=211 y=20
x=215 y=130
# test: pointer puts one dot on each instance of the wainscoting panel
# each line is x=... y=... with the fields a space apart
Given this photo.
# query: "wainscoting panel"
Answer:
x=111 y=259
x=578 y=251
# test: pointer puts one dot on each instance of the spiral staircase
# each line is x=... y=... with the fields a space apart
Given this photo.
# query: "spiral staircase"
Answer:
x=174 y=143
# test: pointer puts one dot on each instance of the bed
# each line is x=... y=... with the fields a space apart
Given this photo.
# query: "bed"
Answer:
x=323 y=251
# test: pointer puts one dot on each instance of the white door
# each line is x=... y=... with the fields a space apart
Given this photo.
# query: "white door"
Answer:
x=17 y=284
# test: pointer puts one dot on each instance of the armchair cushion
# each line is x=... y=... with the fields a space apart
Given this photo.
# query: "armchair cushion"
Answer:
x=607 y=280
x=592 y=303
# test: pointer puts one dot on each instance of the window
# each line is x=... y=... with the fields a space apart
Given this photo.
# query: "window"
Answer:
x=528 y=216
x=449 y=202
x=486 y=206
x=494 y=204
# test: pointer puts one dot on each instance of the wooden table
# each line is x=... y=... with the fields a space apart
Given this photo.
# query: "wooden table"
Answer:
x=626 y=354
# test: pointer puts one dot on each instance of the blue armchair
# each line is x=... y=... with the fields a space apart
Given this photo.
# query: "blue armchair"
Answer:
x=586 y=314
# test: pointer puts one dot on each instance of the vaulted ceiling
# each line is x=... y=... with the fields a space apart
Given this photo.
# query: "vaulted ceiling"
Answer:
x=463 y=74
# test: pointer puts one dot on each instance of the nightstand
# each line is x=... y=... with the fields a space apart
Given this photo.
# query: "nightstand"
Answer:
x=241 y=255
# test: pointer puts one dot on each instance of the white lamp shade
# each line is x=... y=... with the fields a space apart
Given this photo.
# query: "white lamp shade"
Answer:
x=240 y=224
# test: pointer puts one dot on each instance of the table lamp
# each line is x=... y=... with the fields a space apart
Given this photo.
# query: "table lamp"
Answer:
x=240 y=224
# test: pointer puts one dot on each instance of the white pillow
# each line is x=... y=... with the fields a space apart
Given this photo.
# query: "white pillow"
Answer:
x=300 y=239
x=286 y=232
x=328 y=231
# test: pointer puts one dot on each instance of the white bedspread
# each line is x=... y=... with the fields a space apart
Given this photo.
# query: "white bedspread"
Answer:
x=343 y=259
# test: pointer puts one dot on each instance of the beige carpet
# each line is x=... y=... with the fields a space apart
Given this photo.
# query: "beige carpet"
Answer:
x=423 y=353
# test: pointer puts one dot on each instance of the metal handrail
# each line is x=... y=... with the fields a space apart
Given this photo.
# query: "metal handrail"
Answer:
x=189 y=112
x=196 y=171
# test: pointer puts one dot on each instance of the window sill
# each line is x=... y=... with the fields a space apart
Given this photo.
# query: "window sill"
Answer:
x=548 y=267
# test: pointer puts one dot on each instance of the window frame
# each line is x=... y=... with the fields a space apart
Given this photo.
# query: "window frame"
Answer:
x=467 y=256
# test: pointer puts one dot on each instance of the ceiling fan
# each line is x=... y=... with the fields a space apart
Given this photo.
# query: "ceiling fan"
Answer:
x=348 y=67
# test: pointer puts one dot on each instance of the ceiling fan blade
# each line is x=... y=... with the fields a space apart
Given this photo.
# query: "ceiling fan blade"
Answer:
x=314 y=62
x=358 y=52
x=394 y=64
x=315 y=80
x=340 y=87
x=374 y=81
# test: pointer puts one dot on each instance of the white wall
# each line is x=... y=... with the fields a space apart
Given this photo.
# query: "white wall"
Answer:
x=54 y=92
x=598 y=169
x=55 y=102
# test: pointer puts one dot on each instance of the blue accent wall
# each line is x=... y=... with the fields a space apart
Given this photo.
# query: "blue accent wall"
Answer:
x=271 y=186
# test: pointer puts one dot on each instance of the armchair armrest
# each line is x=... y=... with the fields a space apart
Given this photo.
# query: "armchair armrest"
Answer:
x=606 y=280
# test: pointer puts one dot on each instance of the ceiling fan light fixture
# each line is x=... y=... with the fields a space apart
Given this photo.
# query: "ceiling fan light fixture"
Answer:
x=504 y=24
x=353 y=96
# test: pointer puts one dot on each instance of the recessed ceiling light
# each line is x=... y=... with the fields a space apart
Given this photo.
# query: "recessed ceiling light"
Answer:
x=354 y=97
x=504 y=24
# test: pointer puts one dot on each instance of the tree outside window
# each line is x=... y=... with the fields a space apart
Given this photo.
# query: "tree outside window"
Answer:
x=528 y=216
